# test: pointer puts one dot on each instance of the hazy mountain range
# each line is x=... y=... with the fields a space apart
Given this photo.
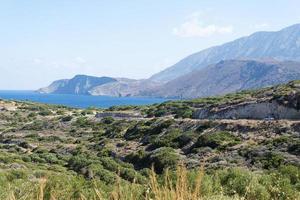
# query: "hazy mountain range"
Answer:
x=259 y=60
x=280 y=45
x=80 y=84
x=228 y=76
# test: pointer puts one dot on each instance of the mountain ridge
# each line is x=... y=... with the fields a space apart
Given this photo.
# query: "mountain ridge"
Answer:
x=229 y=76
x=79 y=84
x=266 y=44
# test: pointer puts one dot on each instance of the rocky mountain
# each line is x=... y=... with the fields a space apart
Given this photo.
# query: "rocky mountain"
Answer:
x=280 y=45
x=229 y=76
x=123 y=88
x=99 y=86
x=80 y=84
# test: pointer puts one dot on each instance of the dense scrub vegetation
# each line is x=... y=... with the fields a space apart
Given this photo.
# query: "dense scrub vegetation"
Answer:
x=63 y=153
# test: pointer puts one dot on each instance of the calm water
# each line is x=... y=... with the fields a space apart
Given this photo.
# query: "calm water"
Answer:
x=78 y=101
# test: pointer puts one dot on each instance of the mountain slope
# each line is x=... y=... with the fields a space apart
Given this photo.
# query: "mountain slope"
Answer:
x=280 y=45
x=80 y=84
x=229 y=76
x=123 y=87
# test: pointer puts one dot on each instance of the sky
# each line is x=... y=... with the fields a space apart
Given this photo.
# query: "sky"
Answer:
x=45 y=40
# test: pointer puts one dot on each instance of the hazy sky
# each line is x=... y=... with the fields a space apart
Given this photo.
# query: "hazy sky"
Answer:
x=45 y=40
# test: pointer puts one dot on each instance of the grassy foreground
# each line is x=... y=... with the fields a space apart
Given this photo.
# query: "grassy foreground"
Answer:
x=181 y=184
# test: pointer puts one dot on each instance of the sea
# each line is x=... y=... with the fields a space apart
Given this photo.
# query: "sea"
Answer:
x=77 y=101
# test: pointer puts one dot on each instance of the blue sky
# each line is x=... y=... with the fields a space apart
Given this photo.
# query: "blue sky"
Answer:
x=42 y=41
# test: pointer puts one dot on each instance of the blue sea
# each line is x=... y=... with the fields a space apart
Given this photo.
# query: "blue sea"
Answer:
x=77 y=101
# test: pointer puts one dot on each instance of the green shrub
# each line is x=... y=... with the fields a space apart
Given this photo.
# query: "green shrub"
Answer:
x=292 y=172
x=185 y=138
x=31 y=115
x=97 y=170
x=168 y=139
x=294 y=148
x=219 y=140
x=271 y=160
x=60 y=112
x=66 y=118
x=78 y=162
x=163 y=158
x=137 y=131
x=235 y=181
x=108 y=120
x=138 y=158
x=184 y=112
x=45 y=113
x=16 y=174
x=83 y=122
x=110 y=164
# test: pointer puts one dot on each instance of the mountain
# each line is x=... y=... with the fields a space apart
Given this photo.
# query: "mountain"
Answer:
x=280 y=45
x=261 y=59
x=228 y=76
x=80 y=84
x=99 y=86
x=123 y=87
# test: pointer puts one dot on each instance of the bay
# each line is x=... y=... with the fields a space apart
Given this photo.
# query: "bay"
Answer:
x=77 y=101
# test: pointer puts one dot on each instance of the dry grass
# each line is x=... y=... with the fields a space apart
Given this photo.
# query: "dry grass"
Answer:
x=181 y=191
x=178 y=189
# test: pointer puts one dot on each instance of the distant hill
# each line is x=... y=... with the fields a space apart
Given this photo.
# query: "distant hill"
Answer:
x=229 y=76
x=99 y=86
x=80 y=84
x=124 y=88
x=280 y=45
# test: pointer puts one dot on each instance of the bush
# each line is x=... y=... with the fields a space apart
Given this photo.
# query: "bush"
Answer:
x=108 y=120
x=139 y=159
x=292 y=172
x=78 y=162
x=235 y=181
x=185 y=138
x=60 y=112
x=83 y=122
x=219 y=140
x=66 y=118
x=271 y=160
x=137 y=131
x=110 y=164
x=163 y=158
x=168 y=139
x=45 y=113
x=294 y=148
x=31 y=115
x=184 y=112
x=16 y=174
x=96 y=170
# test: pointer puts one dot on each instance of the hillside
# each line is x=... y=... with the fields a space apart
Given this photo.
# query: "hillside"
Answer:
x=80 y=150
x=80 y=84
x=99 y=86
x=228 y=76
x=123 y=88
x=280 y=45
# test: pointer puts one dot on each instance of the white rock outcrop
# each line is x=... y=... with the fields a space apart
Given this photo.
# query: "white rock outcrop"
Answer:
x=252 y=110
